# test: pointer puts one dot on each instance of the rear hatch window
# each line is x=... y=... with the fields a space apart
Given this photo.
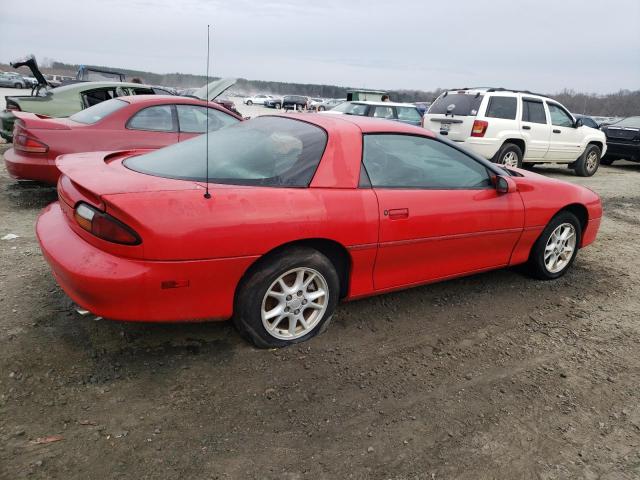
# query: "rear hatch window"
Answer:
x=457 y=104
x=265 y=151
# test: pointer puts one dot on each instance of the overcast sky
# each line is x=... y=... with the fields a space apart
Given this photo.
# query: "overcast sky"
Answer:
x=586 y=45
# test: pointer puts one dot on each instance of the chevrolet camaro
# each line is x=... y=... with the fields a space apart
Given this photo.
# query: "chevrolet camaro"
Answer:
x=287 y=215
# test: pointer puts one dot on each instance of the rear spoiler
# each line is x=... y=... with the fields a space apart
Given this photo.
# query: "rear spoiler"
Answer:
x=38 y=121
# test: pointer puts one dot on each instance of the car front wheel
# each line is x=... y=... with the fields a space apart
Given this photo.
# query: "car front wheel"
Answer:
x=249 y=102
x=18 y=85
x=588 y=162
x=556 y=248
x=288 y=298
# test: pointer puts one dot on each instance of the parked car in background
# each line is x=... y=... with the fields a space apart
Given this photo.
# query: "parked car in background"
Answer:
x=69 y=99
x=256 y=99
x=513 y=128
x=400 y=112
x=14 y=80
x=346 y=207
x=143 y=121
x=273 y=102
x=422 y=107
x=587 y=121
x=294 y=102
x=314 y=102
x=329 y=103
x=623 y=140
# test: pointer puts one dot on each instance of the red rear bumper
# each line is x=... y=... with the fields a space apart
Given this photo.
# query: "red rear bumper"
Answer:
x=23 y=167
x=126 y=289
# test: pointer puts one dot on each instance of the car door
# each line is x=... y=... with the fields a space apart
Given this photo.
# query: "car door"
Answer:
x=440 y=215
x=192 y=120
x=565 y=141
x=535 y=128
x=152 y=127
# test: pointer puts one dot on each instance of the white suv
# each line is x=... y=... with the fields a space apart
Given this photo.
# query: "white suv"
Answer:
x=514 y=127
x=257 y=99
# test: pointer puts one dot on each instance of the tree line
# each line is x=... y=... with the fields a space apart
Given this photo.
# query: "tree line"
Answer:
x=621 y=104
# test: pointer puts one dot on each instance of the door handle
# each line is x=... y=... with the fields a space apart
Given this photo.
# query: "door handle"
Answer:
x=555 y=130
x=397 y=213
x=526 y=127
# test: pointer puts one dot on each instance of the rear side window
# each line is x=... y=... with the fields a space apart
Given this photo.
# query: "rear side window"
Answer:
x=96 y=113
x=406 y=161
x=352 y=108
x=383 y=112
x=93 y=97
x=502 y=107
x=408 y=114
x=157 y=119
x=533 y=112
x=193 y=119
x=265 y=151
x=457 y=104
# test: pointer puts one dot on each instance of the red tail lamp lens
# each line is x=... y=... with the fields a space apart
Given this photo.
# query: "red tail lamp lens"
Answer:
x=479 y=128
x=104 y=226
x=31 y=145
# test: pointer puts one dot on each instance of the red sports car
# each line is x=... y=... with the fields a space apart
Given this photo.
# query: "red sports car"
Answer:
x=303 y=211
x=143 y=121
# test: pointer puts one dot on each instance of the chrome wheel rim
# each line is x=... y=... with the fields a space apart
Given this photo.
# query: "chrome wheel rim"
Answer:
x=560 y=247
x=295 y=303
x=510 y=159
x=592 y=161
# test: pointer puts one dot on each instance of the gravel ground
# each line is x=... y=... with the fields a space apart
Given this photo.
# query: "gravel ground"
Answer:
x=490 y=376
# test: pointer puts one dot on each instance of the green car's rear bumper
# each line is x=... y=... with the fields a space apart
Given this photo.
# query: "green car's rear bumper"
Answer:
x=6 y=125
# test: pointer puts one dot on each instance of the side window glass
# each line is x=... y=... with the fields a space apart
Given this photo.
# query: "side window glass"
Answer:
x=157 y=119
x=559 y=117
x=383 y=112
x=533 y=112
x=93 y=97
x=406 y=161
x=408 y=114
x=193 y=119
x=502 y=107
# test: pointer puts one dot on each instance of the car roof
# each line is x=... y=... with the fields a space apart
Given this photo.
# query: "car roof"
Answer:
x=136 y=99
x=365 y=124
x=384 y=104
x=91 y=85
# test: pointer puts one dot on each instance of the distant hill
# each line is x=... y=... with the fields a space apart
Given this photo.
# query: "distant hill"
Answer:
x=621 y=103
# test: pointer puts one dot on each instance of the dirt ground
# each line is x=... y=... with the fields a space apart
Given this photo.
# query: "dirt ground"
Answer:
x=491 y=376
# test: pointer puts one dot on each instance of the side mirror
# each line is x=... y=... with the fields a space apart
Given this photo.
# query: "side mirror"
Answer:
x=505 y=184
x=578 y=123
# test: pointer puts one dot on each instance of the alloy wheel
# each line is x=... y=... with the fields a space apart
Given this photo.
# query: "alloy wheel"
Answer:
x=560 y=247
x=295 y=303
x=592 y=161
x=510 y=159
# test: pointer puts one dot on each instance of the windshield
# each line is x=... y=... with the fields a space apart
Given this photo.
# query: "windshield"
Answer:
x=99 y=111
x=631 y=122
x=265 y=151
x=351 y=108
x=456 y=104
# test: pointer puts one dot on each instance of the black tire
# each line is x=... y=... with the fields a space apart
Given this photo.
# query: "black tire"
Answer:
x=18 y=85
x=607 y=160
x=278 y=106
x=536 y=264
x=253 y=289
x=506 y=150
x=249 y=102
x=321 y=108
x=588 y=162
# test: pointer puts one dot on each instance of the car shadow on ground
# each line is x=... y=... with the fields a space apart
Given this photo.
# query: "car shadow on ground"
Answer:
x=29 y=195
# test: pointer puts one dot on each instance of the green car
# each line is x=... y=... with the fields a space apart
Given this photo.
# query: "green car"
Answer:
x=69 y=99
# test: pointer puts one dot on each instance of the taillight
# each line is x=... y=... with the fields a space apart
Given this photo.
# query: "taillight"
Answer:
x=479 y=128
x=25 y=143
x=104 y=226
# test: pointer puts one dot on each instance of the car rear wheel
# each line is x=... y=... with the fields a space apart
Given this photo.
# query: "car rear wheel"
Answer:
x=321 y=108
x=588 y=162
x=249 y=102
x=278 y=106
x=509 y=155
x=556 y=249
x=18 y=85
x=288 y=298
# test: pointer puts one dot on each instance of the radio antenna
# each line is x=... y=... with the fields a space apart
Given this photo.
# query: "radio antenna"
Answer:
x=207 y=195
